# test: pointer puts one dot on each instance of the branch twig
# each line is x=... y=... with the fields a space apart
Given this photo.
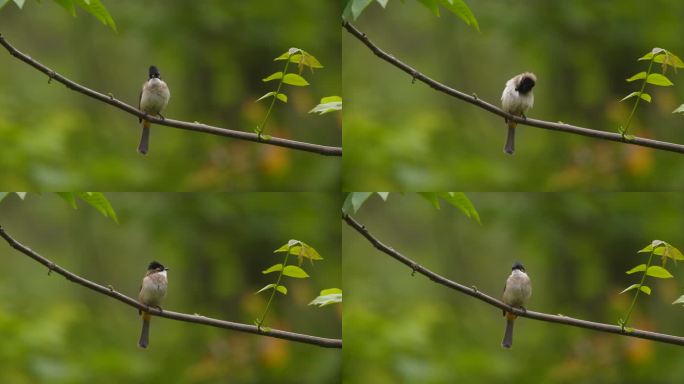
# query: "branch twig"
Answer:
x=472 y=99
x=415 y=267
x=241 y=135
x=52 y=267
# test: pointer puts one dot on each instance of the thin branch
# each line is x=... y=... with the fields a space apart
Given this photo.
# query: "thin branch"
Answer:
x=109 y=291
x=109 y=99
x=474 y=292
x=473 y=99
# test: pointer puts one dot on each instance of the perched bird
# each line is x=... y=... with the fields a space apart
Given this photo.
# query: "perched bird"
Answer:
x=152 y=291
x=517 y=99
x=516 y=294
x=153 y=99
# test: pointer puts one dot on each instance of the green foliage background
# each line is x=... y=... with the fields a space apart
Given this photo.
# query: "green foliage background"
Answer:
x=213 y=54
x=404 y=136
x=576 y=248
x=216 y=246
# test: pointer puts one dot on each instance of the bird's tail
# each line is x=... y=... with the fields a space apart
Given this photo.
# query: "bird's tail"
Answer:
x=508 y=336
x=510 y=139
x=145 y=334
x=145 y=138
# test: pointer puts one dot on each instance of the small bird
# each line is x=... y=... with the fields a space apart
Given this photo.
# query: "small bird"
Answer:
x=152 y=291
x=516 y=294
x=153 y=99
x=517 y=99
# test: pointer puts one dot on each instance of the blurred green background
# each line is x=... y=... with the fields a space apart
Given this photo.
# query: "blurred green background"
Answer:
x=576 y=248
x=212 y=53
x=404 y=136
x=216 y=245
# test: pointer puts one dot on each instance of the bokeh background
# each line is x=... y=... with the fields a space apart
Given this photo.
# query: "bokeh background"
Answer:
x=576 y=248
x=404 y=136
x=216 y=245
x=213 y=54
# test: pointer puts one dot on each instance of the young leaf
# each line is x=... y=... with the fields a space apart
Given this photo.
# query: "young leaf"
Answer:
x=679 y=109
x=659 y=272
x=629 y=288
x=328 y=104
x=658 y=79
x=654 y=244
x=97 y=9
x=354 y=8
x=645 y=289
x=295 y=271
x=679 y=301
x=273 y=268
x=275 y=76
x=645 y=96
x=460 y=9
x=69 y=197
x=630 y=96
x=266 y=95
x=269 y=286
x=295 y=79
x=282 y=97
x=640 y=75
x=649 y=55
x=281 y=289
x=638 y=268
x=383 y=195
x=290 y=52
x=327 y=297
x=431 y=197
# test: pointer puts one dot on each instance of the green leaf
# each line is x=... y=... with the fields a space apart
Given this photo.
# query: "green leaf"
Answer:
x=3 y=195
x=461 y=201
x=295 y=79
x=327 y=297
x=269 y=286
x=659 y=272
x=289 y=53
x=383 y=195
x=2 y=4
x=658 y=79
x=328 y=104
x=266 y=95
x=629 y=288
x=275 y=76
x=432 y=5
x=305 y=59
x=69 y=197
x=431 y=197
x=640 y=75
x=273 y=268
x=669 y=251
x=629 y=96
x=19 y=3
x=282 y=97
x=281 y=289
x=383 y=3
x=100 y=202
x=679 y=109
x=649 y=55
x=679 y=301
x=354 y=8
x=645 y=96
x=654 y=244
x=645 y=289
x=68 y=5
x=95 y=8
x=460 y=9
x=295 y=271
x=355 y=200
x=638 y=268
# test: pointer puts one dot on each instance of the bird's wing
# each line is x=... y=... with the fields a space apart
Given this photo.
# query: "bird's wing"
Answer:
x=140 y=118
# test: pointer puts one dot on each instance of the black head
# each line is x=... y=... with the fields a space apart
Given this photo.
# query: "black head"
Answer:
x=154 y=72
x=526 y=83
x=156 y=266
x=518 y=265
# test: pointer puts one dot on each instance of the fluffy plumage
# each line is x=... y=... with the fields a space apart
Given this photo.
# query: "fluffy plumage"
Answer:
x=154 y=97
x=152 y=291
x=517 y=99
x=516 y=294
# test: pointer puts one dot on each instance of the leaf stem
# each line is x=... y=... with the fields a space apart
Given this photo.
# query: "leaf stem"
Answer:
x=260 y=127
x=636 y=103
x=260 y=321
x=643 y=278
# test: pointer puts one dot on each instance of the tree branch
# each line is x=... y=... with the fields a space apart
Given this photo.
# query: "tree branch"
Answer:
x=472 y=291
x=109 y=291
x=473 y=99
x=109 y=99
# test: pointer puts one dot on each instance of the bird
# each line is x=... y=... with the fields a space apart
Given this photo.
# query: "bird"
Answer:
x=516 y=294
x=152 y=291
x=154 y=97
x=517 y=99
